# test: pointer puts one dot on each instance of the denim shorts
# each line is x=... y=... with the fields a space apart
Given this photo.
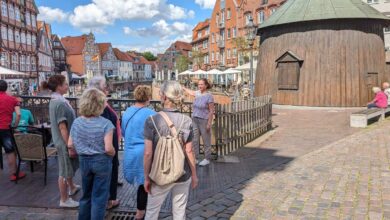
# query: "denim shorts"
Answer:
x=6 y=140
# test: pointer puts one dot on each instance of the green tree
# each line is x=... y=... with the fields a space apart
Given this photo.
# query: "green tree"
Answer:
x=149 y=56
x=243 y=48
x=197 y=58
x=182 y=63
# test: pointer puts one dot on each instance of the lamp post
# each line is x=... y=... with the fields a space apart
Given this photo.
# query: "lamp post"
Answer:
x=251 y=30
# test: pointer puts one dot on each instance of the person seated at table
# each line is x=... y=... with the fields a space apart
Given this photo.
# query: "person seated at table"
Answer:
x=26 y=119
x=380 y=100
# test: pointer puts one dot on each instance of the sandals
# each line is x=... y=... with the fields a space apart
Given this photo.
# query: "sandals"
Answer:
x=113 y=204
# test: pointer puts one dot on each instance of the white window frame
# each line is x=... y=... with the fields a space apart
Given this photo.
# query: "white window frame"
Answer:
x=17 y=14
x=4 y=8
x=33 y=21
x=4 y=32
x=10 y=35
x=23 y=38
x=28 y=38
x=33 y=64
x=28 y=18
x=11 y=11
x=260 y=16
x=17 y=36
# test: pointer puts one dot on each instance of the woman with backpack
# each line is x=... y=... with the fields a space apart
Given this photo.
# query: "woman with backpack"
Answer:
x=133 y=121
x=170 y=170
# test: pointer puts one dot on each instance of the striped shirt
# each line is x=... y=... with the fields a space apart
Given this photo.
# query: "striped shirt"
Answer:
x=88 y=134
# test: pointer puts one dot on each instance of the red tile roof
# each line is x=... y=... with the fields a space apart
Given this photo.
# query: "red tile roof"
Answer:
x=74 y=45
x=180 y=45
x=103 y=48
x=201 y=25
x=122 y=56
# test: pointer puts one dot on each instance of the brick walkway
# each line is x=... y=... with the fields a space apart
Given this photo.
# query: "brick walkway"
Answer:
x=348 y=179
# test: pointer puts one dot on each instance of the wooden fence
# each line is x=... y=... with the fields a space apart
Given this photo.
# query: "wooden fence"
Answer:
x=235 y=124
x=241 y=122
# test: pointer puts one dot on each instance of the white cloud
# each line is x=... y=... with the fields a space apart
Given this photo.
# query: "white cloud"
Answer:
x=51 y=15
x=158 y=47
x=208 y=4
x=162 y=29
x=101 y=13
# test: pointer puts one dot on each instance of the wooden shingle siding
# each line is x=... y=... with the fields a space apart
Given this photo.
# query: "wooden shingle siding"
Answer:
x=337 y=56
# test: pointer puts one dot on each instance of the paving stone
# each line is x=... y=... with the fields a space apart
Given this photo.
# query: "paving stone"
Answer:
x=226 y=202
x=207 y=201
x=195 y=207
x=216 y=208
x=218 y=196
x=223 y=215
x=197 y=218
x=235 y=197
x=208 y=213
x=194 y=214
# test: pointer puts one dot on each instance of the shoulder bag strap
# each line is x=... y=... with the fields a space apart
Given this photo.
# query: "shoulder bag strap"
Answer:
x=155 y=127
x=127 y=123
x=169 y=122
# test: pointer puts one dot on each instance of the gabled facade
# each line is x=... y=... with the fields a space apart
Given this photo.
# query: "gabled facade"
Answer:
x=167 y=61
x=125 y=65
x=59 y=54
x=45 y=56
x=19 y=35
x=142 y=68
x=201 y=45
x=83 y=55
x=109 y=60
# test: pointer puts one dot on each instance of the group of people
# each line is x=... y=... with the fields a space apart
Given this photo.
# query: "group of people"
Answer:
x=382 y=97
x=90 y=143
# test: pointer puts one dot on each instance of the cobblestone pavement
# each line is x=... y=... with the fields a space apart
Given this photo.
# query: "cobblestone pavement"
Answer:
x=27 y=213
x=298 y=133
x=348 y=179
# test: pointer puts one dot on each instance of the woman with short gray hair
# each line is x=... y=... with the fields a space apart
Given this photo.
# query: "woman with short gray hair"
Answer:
x=99 y=82
x=380 y=100
x=171 y=95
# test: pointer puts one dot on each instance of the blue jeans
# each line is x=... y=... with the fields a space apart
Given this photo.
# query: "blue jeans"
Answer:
x=96 y=177
x=372 y=105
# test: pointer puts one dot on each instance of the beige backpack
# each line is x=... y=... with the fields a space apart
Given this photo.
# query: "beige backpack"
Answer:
x=169 y=158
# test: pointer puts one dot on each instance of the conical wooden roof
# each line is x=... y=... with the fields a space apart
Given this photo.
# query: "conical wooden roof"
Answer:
x=294 y=11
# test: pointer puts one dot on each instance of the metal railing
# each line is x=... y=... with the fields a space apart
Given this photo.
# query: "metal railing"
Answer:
x=235 y=124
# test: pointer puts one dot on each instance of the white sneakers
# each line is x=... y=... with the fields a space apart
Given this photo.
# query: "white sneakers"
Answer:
x=204 y=162
x=70 y=203
x=76 y=190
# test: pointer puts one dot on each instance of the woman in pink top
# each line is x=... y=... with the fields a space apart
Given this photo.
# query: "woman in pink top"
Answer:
x=380 y=100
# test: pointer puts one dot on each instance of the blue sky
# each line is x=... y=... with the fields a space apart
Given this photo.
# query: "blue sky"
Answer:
x=144 y=25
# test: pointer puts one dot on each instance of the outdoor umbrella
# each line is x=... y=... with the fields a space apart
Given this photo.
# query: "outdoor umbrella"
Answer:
x=230 y=71
x=199 y=73
x=187 y=72
x=215 y=73
x=9 y=72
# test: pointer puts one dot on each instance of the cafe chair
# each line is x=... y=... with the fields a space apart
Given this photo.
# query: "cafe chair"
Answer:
x=31 y=146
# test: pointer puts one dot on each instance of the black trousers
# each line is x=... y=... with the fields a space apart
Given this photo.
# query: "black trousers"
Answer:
x=114 y=176
x=142 y=198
